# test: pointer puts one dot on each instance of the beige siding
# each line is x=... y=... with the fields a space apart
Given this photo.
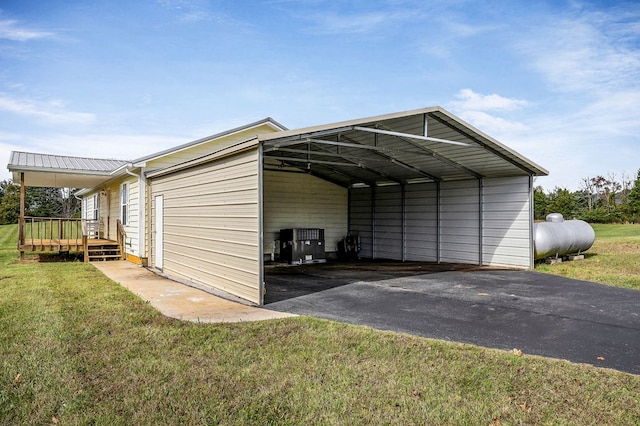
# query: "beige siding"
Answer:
x=109 y=213
x=205 y=148
x=211 y=225
x=303 y=201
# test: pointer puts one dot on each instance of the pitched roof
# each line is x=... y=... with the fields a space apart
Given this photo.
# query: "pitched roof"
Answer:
x=268 y=120
x=60 y=170
x=43 y=162
x=402 y=147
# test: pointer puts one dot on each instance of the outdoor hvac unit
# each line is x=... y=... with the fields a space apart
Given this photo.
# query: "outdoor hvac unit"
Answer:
x=302 y=245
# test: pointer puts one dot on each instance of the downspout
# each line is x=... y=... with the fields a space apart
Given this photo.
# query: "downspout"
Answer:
x=82 y=212
x=141 y=187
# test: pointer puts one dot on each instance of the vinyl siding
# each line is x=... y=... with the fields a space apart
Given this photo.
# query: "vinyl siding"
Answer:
x=211 y=225
x=205 y=148
x=507 y=223
x=303 y=201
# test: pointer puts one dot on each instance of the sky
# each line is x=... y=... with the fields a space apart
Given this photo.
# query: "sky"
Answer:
x=557 y=81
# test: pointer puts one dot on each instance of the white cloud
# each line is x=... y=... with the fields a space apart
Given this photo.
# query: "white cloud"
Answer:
x=492 y=124
x=470 y=100
x=52 y=112
x=9 y=30
x=591 y=52
x=475 y=107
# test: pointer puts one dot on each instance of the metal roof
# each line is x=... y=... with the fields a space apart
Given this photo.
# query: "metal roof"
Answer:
x=25 y=160
x=428 y=144
x=59 y=170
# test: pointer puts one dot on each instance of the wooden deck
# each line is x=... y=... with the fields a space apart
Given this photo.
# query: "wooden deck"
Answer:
x=41 y=234
x=46 y=245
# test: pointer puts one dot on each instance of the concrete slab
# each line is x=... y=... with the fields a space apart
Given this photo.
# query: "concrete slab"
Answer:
x=180 y=301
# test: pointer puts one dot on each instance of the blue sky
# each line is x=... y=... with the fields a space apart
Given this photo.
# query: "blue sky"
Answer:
x=558 y=81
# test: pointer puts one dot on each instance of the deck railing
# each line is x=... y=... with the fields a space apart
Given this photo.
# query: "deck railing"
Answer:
x=122 y=235
x=50 y=233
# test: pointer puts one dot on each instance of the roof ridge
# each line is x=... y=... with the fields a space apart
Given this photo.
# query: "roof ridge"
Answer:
x=70 y=156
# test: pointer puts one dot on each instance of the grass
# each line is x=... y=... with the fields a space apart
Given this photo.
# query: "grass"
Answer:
x=614 y=258
x=76 y=348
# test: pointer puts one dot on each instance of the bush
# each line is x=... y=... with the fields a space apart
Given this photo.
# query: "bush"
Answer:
x=602 y=215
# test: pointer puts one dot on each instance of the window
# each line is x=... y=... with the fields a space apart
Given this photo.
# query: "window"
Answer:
x=124 y=203
x=96 y=206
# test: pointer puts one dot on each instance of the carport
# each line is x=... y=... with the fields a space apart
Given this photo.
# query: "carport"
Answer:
x=419 y=185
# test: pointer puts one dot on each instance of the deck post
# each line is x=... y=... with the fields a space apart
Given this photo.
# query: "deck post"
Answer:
x=21 y=219
x=85 y=247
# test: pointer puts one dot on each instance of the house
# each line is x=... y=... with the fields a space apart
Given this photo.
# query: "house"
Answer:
x=418 y=185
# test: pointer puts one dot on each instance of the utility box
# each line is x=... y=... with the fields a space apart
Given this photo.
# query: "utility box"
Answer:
x=302 y=245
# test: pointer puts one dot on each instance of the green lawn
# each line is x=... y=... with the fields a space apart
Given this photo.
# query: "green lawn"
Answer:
x=614 y=258
x=76 y=349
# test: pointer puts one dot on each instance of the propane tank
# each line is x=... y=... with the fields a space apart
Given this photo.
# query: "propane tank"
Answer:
x=558 y=237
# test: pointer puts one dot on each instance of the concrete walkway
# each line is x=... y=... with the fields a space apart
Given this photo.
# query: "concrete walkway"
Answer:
x=181 y=301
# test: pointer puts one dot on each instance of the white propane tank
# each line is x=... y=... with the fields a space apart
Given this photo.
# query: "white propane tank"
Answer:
x=557 y=237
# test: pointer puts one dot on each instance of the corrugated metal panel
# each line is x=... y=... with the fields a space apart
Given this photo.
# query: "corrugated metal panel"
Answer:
x=211 y=234
x=295 y=200
x=421 y=222
x=361 y=218
x=388 y=223
x=460 y=222
x=29 y=160
x=507 y=226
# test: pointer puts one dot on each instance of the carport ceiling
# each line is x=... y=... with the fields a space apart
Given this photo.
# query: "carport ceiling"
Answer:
x=426 y=145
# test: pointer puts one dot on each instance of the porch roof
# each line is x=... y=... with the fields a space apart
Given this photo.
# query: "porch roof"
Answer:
x=61 y=171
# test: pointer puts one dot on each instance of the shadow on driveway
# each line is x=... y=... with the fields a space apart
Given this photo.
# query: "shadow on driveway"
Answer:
x=537 y=313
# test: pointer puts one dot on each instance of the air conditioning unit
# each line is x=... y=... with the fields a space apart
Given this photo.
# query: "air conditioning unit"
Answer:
x=302 y=245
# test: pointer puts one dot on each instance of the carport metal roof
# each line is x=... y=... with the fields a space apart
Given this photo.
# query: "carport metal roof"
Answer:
x=428 y=144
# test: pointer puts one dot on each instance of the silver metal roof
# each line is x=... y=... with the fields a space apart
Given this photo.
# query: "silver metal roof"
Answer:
x=428 y=144
x=59 y=170
x=25 y=160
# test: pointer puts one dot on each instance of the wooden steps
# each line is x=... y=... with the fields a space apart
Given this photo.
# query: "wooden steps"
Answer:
x=104 y=251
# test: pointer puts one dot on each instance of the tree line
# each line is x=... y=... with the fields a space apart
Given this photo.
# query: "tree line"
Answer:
x=600 y=199
x=39 y=202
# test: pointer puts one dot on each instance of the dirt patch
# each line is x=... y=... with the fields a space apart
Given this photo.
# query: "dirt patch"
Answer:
x=371 y=265
x=53 y=257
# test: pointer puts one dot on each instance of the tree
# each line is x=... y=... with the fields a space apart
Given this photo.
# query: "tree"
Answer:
x=539 y=203
x=562 y=201
x=9 y=202
x=634 y=200
x=39 y=202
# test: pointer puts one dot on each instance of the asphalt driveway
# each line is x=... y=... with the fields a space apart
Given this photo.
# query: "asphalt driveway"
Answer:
x=537 y=313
